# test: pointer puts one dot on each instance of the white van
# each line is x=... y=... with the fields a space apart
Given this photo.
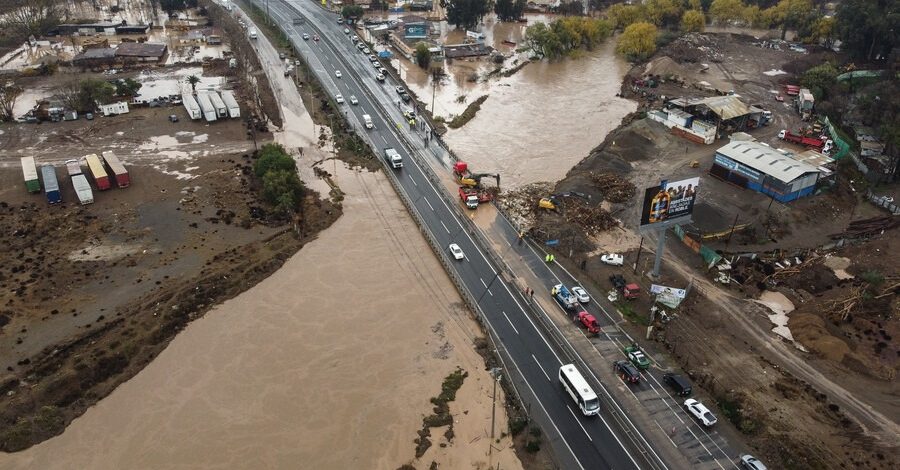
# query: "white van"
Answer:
x=368 y=121
x=252 y=33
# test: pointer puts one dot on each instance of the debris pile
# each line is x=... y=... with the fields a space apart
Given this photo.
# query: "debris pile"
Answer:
x=615 y=189
x=868 y=227
x=521 y=203
x=592 y=218
x=695 y=47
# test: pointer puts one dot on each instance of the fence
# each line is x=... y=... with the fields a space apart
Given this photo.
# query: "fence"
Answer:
x=843 y=147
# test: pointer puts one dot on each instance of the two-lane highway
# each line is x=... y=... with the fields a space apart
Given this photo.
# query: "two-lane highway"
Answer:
x=578 y=441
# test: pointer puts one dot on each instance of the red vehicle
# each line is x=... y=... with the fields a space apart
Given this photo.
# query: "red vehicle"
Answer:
x=461 y=170
x=821 y=144
x=792 y=90
x=316 y=37
x=631 y=291
x=588 y=321
x=471 y=197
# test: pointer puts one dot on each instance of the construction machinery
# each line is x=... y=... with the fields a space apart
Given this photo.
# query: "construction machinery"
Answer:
x=553 y=202
x=471 y=197
x=565 y=298
x=472 y=180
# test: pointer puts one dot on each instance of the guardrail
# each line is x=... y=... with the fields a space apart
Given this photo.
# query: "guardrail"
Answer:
x=554 y=333
x=439 y=251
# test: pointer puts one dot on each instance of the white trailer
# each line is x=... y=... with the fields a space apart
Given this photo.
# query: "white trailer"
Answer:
x=112 y=109
x=233 y=109
x=190 y=104
x=216 y=100
x=83 y=189
x=209 y=111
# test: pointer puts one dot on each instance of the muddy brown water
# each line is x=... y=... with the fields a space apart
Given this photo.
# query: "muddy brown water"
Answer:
x=328 y=363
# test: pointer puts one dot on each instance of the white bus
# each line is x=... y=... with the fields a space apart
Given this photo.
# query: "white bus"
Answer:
x=578 y=388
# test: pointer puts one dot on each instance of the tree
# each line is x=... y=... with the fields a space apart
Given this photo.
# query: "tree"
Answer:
x=567 y=34
x=466 y=13
x=623 y=15
x=509 y=10
x=352 y=11
x=638 y=41
x=821 y=31
x=663 y=12
x=9 y=94
x=127 y=87
x=820 y=79
x=868 y=28
x=726 y=11
x=273 y=157
x=83 y=96
x=423 y=55
x=24 y=18
x=693 y=21
x=791 y=14
x=283 y=189
x=193 y=80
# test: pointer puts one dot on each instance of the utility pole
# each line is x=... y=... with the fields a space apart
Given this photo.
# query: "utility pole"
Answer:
x=268 y=18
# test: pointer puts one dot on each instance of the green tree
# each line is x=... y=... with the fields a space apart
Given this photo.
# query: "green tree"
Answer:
x=283 y=189
x=623 y=15
x=193 y=80
x=127 y=87
x=89 y=93
x=423 y=55
x=23 y=18
x=726 y=11
x=791 y=14
x=821 y=31
x=638 y=41
x=693 y=21
x=663 y=12
x=820 y=79
x=273 y=157
x=352 y=11
x=868 y=28
x=509 y=10
x=466 y=13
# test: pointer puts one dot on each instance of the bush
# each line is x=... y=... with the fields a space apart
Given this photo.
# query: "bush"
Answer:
x=283 y=189
x=638 y=42
x=273 y=157
x=533 y=446
x=517 y=425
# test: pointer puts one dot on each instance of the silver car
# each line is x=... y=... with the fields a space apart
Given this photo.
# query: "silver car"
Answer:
x=581 y=294
x=750 y=462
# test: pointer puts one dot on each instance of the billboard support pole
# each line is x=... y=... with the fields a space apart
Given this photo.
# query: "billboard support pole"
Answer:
x=660 y=246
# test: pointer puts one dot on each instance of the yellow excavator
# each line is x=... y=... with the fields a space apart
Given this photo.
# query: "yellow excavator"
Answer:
x=553 y=202
x=474 y=180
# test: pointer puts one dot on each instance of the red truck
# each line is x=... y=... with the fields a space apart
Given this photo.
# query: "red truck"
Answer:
x=792 y=90
x=588 y=321
x=471 y=197
x=821 y=144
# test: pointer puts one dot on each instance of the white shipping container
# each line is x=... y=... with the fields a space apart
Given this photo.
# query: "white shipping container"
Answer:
x=73 y=167
x=221 y=109
x=190 y=104
x=83 y=189
x=234 y=110
x=209 y=111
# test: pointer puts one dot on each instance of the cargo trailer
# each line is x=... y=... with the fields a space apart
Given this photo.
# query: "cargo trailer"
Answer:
x=118 y=169
x=101 y=179
x=209 y=111
x=234 y=110
x=51 y=185
x=216 y=100
x=32 y=184
x=190 y=104
x=83 y=189
x=73 y=167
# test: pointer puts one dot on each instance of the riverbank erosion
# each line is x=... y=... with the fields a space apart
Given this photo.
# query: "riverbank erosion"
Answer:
x=346 y=343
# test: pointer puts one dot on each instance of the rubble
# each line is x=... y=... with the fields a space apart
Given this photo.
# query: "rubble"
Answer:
x=592 y=218
x=615 y=189
x=869 y=227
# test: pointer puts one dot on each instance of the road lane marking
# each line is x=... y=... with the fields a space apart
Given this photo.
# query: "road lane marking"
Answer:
x=541 y=367
x=383 y=138
x=426 y=200
x=482 y=282
x=667 y=434
x=579 y=423
x=511 y=323
x=417 y=185
x=448 y=231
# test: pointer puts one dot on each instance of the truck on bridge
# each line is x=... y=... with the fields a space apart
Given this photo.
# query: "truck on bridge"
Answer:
x=565 y=298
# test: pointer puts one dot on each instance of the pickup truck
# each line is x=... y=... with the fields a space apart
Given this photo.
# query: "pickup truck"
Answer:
x=564 y=297
x=628 y=290
x=393 y=158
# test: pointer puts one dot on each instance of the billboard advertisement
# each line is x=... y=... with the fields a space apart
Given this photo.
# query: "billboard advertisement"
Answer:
x=414 y=31
x=670 y=200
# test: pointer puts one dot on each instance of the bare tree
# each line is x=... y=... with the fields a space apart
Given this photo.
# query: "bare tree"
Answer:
x=27 y=17
x=9 y=93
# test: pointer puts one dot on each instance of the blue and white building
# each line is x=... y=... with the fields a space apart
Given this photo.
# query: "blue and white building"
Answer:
x=767 y=170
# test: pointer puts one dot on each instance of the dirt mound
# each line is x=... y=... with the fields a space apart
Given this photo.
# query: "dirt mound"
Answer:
x=665 y=67
x=809 y=329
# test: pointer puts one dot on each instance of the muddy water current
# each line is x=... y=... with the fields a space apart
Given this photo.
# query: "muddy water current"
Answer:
x=328 y=363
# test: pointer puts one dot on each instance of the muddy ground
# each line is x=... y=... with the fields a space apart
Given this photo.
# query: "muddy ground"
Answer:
x=787 y=421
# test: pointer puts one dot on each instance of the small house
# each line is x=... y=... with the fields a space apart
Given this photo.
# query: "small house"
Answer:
x=112 y=109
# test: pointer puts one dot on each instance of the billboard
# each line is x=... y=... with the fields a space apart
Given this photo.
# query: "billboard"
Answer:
x=669 y=200
x=414 y=31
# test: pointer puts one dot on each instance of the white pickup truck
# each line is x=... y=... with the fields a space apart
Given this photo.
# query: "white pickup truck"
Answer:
x=368 y=121
x=393 y=158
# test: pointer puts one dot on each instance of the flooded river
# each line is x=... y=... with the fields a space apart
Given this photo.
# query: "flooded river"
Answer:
x=329 y=363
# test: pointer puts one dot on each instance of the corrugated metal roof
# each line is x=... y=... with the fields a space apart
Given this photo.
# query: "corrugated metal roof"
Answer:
x=726 y=107
x=767 y=160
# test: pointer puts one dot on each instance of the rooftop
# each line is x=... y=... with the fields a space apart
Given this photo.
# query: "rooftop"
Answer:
x=726 y=107
x=137 y=49
x=767 y=160
x=96 y=53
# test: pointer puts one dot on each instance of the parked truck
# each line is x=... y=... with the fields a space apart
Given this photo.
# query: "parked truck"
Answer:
x=628 y=290
x=472 y=196
x=82 y=189
x=218 y=104
x=51 y=185
x=101 y=179
x=29 y=171
x=191 y=106
x=73 y=167
x=123 y=179
x=820 y=144
x=393 y=158
x=206 y=106
x=565 y=298
x=234 y=110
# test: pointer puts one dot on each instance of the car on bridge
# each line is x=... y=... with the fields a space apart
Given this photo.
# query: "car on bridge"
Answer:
x=339 y=98
x=366 y=51
x=404 y=97
x=700 y=412
x=353 y=100
x=456 y=251
x=750 y=462
x=306 y=36
x=400 y=90
x=338 y=74
x=637 y=357
x=581 y=294
x=379 y=77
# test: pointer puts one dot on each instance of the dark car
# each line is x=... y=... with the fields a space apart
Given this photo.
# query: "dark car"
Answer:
x=617 y=281
x=678 y=384
x=404 y=97
x=626 y=371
